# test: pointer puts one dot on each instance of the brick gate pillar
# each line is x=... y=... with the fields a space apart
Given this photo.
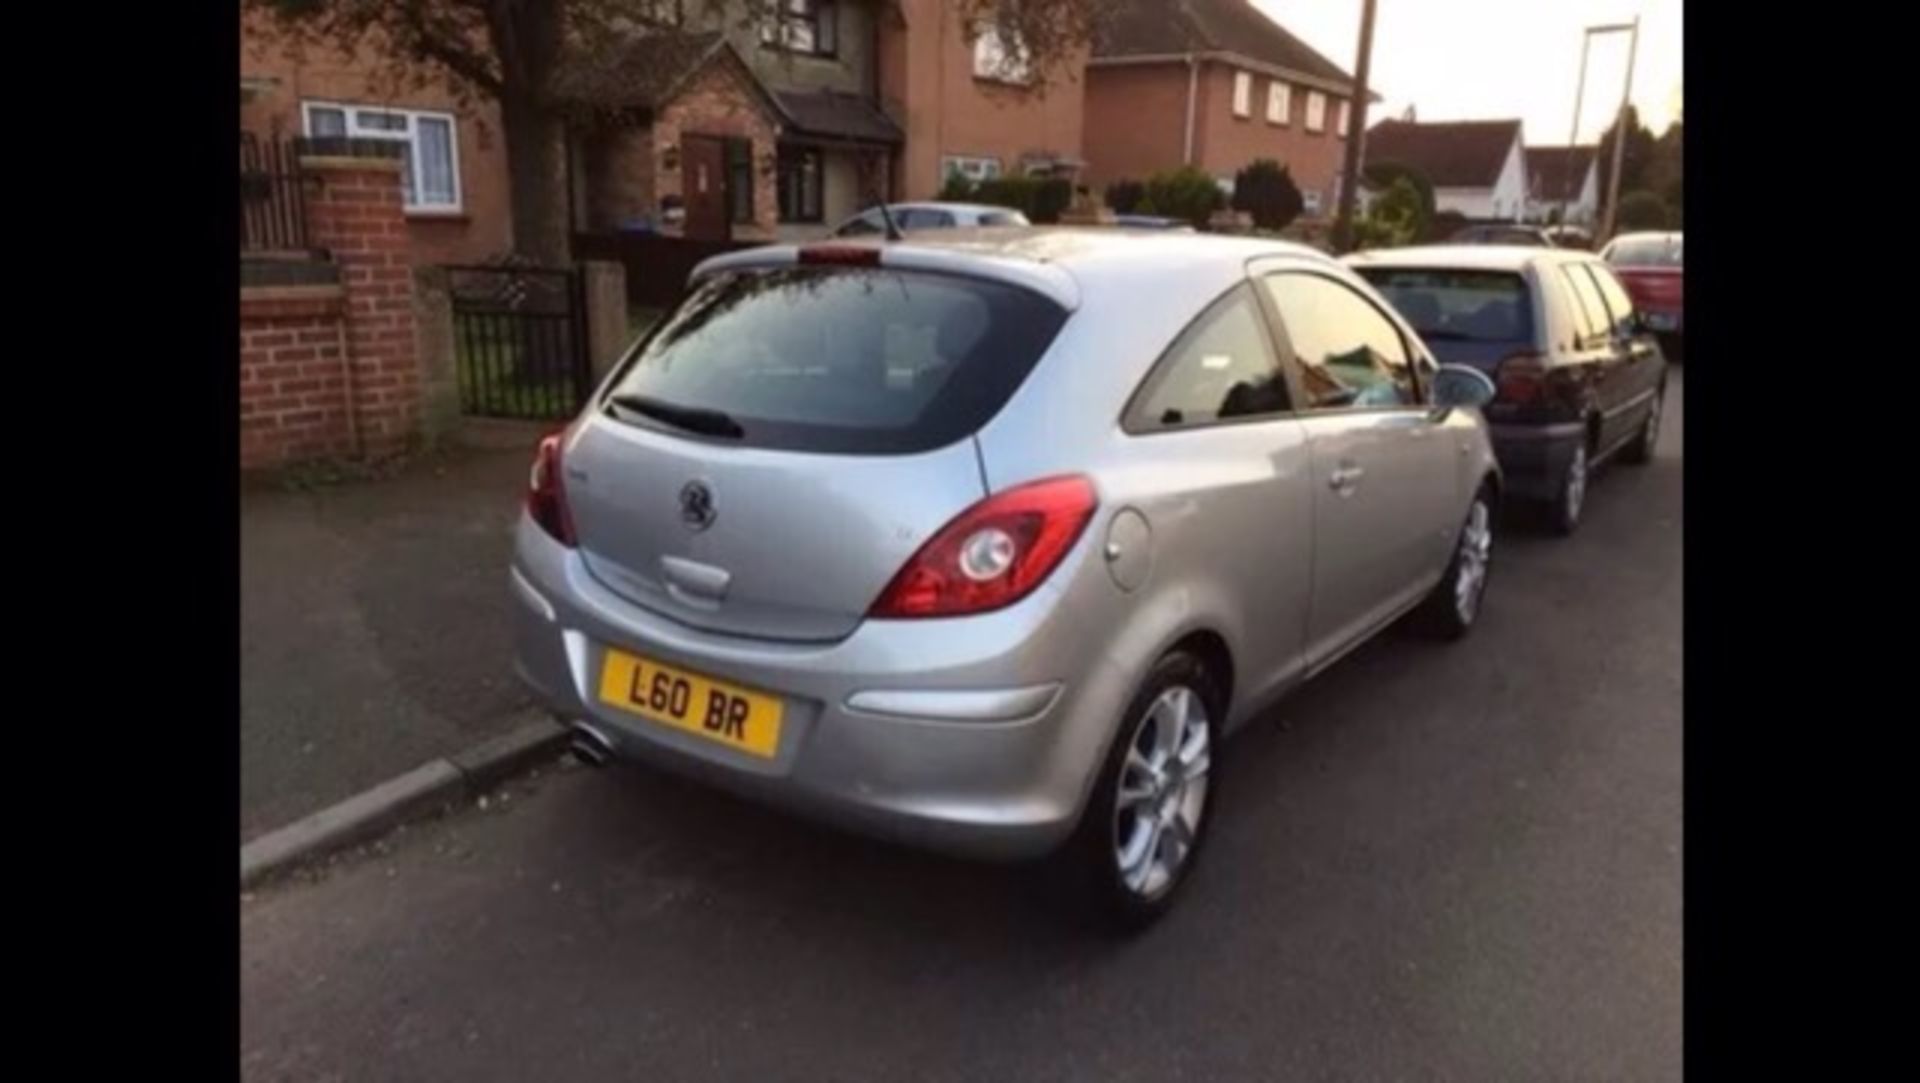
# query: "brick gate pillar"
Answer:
x=355 y=212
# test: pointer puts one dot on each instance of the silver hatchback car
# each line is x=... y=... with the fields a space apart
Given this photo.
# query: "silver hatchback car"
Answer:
x=984 y=540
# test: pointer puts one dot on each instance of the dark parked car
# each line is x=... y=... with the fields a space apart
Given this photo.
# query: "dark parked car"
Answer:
x=1151 y=221
x=1503 y=234
x=1649 y=266
x=1580 y=379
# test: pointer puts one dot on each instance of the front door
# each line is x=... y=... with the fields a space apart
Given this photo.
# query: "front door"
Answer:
x=1384 y=477
x=703 y=184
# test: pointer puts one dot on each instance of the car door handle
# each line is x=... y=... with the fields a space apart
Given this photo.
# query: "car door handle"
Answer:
x=1345 y=478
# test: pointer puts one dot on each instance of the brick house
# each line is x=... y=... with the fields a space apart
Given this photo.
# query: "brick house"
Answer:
x=782 y=117
x=1557 y=175
x=969 y=103
x=1477 y=167
x=1216 y=84
x=454 y=174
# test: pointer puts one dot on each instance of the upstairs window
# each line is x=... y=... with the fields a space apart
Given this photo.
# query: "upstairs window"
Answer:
x=1279 y=102
x=1242 y=94
x=999 y=58
x=1316 y=111
x=801 y=26
x=1345 y=105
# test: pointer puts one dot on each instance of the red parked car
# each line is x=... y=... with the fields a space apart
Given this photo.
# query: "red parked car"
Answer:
x=1648 y=264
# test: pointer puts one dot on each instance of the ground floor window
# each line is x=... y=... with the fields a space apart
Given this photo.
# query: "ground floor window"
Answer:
x=973 y=168
x=428 y=146
x=799 y=184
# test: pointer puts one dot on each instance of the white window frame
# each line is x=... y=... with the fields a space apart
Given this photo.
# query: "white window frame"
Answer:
x=1346 y=106
x=997 y=59
x=1242 y=93
x=1316 y=111
x=410 y=136
x=974 y=167
x=1279 y=103
x=1310 y=201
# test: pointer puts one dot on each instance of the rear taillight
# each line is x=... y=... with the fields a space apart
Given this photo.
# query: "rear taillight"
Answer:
x=994 y=553
x=839 y=255
x=547 y=491
x=1520 y=379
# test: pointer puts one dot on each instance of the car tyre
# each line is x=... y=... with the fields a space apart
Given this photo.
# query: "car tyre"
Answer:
x=1451 y=611
x=1640 y=452
x=1570 y=502
x=1146 y=822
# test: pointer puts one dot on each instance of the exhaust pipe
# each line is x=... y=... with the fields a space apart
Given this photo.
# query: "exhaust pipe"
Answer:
x=589 y=745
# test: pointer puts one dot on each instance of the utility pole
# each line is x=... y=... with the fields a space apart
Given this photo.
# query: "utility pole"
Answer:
x=1356 y=134
x=1573 y=137
x=1620 y=138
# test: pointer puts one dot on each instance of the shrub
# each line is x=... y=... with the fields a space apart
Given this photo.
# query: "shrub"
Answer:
x=957 y=189
x=1265 y=189
x=1187 y=193
x=1641 y=210
x=1041 y=199
x=1393 y=220
x=1383 y=174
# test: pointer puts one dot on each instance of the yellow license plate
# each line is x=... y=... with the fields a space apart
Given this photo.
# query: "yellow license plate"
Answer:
x=716 y=710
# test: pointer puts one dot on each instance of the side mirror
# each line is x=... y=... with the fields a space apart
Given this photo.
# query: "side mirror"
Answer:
x=1459 y=385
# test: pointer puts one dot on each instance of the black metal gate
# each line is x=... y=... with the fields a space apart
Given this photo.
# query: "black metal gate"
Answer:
x=520 y=341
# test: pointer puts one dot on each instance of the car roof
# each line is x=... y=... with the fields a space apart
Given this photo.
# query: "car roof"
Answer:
x=936 y=205
x=1648 y=235
x=1490 y=257
x=1052 y=259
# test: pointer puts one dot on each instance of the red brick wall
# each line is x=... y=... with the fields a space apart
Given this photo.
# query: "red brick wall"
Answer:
x=1136 y=121
x=330 y=371
x=355 y=214
x=293 y=397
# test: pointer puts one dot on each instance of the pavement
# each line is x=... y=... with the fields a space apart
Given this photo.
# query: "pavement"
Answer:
x=374 y=629
x=1445 y=862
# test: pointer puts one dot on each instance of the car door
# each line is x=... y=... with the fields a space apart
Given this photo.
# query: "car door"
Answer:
x=1224 y=478
x=1384 y=474
x=1637 y=377
x=1598 y=359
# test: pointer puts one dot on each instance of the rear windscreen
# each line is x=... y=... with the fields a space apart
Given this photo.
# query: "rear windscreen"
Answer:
x=1457 y=305
x=840 y=359
x=1645 y=252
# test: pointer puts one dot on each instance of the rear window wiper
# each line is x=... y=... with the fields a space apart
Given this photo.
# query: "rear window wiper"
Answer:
x=691 y=418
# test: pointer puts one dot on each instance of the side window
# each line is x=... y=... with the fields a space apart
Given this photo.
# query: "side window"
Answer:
x=1222 y=367
x=922 y=218
x=1619 y=305
x=1589 y=311
x=1350 y=354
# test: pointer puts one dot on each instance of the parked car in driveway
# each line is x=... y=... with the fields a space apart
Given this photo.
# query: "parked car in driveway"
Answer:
x=1649 y=265
x=930 y=216
x=1152 y=221
x=1503 y=234
x=983 y=540
x=1580 y=380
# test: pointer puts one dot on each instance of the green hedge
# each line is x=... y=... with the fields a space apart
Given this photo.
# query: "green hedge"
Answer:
x=1041 y=199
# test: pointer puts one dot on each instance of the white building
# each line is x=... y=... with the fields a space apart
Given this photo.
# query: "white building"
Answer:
x=1557 y=175
x=1477 y=167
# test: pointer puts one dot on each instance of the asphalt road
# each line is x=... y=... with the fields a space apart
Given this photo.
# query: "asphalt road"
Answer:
x=1437 y=862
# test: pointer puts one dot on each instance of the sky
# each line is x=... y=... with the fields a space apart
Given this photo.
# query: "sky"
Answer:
x=1495 y=59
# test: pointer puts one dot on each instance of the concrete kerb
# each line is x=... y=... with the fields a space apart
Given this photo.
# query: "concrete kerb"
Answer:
x=424 y=790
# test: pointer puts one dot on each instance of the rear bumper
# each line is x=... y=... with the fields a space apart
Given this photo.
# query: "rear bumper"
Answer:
x=956 y=735
x=1533 y=458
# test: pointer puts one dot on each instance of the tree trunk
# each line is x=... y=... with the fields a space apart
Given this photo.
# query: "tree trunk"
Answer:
x=536 y=177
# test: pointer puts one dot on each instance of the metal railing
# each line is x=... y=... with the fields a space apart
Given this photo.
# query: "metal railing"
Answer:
x=273 y=196
x=520 y=341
